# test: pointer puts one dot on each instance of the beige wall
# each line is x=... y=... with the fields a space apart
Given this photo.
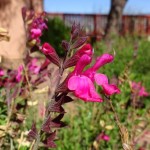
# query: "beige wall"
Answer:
x=13 y=51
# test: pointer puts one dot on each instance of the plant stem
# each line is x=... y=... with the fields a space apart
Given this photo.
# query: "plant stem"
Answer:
x=36 y=144
x=123 y=131
x=61 y=71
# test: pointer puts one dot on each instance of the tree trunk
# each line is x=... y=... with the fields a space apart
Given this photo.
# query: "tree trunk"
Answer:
x=114 y=18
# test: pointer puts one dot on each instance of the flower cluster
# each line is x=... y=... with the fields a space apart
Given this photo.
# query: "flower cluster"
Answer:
x=36 y=28
x=12 y=78
x=80 y=81
x=35 y=25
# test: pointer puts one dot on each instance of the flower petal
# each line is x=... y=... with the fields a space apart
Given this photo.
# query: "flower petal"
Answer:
x=83 y=61
x=110 y=89
x=86 y=49
x=83 y=88
x=100 y=79
x=73 y=83
x=102 y=60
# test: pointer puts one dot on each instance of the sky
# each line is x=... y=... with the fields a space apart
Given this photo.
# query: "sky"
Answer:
x=94 y=6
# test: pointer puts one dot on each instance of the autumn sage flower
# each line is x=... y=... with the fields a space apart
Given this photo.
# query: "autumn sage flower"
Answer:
x=36 y=28
x=2 y=73
x=19 y=75
x=33 y=67
x=139 y=89
x=81 y=83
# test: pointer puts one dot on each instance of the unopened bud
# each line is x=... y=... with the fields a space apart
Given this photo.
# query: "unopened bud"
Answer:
x=75 y=31
x=50 y=53
x=79 y=42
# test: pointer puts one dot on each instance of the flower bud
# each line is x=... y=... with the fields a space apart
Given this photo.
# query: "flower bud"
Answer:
x=50 y=53
x=75 y=30
x=79 y=42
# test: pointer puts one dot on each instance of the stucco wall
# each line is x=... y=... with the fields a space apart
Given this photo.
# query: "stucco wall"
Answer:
x=13 y=51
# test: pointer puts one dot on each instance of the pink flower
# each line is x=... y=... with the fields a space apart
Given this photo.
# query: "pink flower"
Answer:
x=36 y=28
x=102 y=136
x=81 y=85
x=33 y=67
x=47 y=49
x=35 y=33
x=19 y=75
x=1 y=72
x=139 y=89
x=105 y=137
x=99 y=78
x=81 y=82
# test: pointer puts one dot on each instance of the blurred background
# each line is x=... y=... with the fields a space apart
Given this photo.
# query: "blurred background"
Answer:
x=119 y=27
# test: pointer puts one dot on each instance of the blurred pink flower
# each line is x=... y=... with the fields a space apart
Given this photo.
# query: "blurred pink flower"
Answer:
x=19 y=73
x=1 y=72
x=35 y=33
x=105 y=137
x=139 y=89
x=36 y=28
x=102 y=136
x=33 y=67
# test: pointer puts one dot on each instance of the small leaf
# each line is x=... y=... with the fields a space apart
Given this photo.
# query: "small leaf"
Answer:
x=56 y=107
x=56 y=123
x=46 y=125
x=50 y=140
x=33 y=132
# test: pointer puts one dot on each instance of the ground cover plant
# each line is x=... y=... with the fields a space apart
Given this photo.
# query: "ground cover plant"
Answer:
x=81 y=107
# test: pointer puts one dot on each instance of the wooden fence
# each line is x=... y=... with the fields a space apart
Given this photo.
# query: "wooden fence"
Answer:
x=94 y=24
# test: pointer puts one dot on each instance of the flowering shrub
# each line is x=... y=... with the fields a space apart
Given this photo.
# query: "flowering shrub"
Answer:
x=83 y=82
x=80 y=82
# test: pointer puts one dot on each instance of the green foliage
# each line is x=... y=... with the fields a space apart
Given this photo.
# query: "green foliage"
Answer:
x=85 y=119
x=84 y=126
x=124 y=49
x=56 y=32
